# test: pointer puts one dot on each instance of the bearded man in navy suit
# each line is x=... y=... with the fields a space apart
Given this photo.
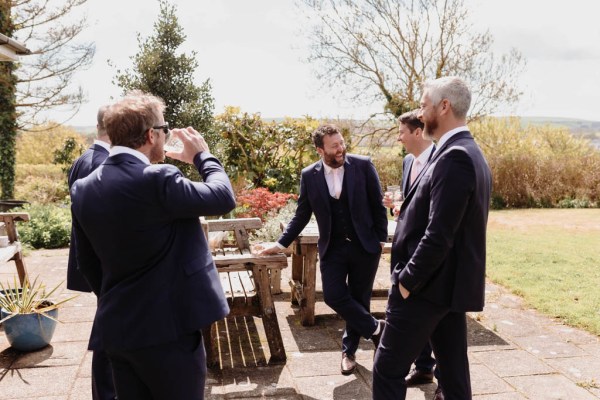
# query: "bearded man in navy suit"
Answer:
x=103 y=387
x=142 y=250
x=438 y=252
x=343 y=192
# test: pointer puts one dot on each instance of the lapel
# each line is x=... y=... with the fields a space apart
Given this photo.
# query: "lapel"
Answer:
x=349 y=178
x=318 y=175
x=432 y=158
x=406 y=176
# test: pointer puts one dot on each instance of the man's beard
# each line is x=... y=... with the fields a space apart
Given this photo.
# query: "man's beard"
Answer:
x=429 y=129
x=157 y=154
x=330 y=159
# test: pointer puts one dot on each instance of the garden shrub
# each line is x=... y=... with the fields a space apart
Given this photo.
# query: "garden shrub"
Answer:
x=260 y=202
x=49 y=226
x=271 y=229
x=538 y=166
x=41 y=183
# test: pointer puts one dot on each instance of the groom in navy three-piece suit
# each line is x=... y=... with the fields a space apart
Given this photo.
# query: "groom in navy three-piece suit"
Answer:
x=344 y=193
x=142 y=250
x=438 y=252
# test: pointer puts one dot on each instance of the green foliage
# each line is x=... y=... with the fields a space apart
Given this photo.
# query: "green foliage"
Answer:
x=261 y=203
x=159 y=68
x=388 y=163
x=538 y=166
x=49 y=227
x=67 y=154
x=31 y=297
x=271 y=229
x=8 y=115
x=268 y=154
x=41 y=183
x=40 y=145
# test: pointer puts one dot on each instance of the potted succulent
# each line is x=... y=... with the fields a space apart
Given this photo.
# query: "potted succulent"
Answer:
x=28 y=314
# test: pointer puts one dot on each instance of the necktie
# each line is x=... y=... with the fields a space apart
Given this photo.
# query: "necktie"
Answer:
x=414 y=171
x=337 y=185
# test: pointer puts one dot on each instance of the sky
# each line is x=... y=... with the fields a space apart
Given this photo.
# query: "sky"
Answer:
x=254 y=55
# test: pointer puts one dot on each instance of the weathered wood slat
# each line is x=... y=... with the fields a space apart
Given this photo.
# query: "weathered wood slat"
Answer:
x=245 y=278
x=8 y=220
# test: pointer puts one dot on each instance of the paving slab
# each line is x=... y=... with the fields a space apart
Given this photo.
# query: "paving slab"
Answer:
x=28 y=383
x=513 y=363
x=515 y=352
x=549 y=387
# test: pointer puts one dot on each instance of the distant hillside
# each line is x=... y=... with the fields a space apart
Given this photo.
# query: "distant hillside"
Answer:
x=85 y=130
x=578 y=127
x=581 y=128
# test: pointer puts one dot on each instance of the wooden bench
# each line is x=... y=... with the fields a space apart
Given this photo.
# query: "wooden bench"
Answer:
x=13 y=250
x=247 y=282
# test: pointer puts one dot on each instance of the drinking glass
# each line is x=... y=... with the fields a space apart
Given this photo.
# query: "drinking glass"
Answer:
x=173 y=145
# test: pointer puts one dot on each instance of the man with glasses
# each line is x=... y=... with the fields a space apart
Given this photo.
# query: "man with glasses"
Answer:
x=142 y=250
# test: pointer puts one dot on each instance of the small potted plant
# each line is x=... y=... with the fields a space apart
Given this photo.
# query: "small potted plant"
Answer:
x=28 y=314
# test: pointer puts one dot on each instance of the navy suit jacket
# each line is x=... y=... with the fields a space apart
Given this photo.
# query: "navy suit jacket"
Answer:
x=364 y=198
x=141 y=247
x=439 y=246
x=407 y=163
x=82 y=167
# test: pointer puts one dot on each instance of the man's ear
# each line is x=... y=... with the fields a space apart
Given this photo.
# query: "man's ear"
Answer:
x=150 y=138
x=418 y=132
x=320 y=151
x=444 y=106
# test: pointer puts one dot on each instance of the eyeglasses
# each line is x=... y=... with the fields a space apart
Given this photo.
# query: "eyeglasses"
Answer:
x=164 y=128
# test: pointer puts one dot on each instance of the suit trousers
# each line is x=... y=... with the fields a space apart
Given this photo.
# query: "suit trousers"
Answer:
x=347 y=275
x=175 y=370
x=410 y=323
x=103 y=386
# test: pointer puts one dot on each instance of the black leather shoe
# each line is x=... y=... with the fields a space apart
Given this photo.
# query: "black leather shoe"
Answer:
x=439 y=395
x=348 y=364
x=377 y=338
x=418 y=377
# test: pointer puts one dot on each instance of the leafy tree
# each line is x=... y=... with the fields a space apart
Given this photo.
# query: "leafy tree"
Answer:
x=66 y=155
x=8 y=115
x=384 y=49
x=267 y=154
x=160 y=70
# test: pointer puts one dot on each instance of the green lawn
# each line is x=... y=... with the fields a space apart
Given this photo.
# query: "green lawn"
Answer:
x=552 y=259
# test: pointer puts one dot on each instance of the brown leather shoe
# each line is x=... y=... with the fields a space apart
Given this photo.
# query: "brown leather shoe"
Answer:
x=439 y=395
x=348 y=364
x=418 y=377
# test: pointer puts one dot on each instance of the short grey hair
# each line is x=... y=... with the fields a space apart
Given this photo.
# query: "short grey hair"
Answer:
x=452 y=88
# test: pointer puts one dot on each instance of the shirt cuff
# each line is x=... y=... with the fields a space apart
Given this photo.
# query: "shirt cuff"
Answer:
x=279 y=245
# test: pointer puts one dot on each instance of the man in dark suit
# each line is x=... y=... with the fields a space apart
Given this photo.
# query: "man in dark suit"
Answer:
x=103 y=387
x=420 y=150
x=438 y=253
x=142 y=250
x=344 y=193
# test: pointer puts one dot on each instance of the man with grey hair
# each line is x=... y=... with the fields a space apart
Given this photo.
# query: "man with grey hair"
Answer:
x=438 y=252
x=142 y=250
x=103 y=387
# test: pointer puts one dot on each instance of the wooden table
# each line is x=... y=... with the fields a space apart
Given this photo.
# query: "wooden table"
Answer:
x=304 y=269
x=247 y=280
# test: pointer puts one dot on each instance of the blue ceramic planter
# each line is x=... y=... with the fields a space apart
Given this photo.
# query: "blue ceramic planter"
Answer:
x=28 y=332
